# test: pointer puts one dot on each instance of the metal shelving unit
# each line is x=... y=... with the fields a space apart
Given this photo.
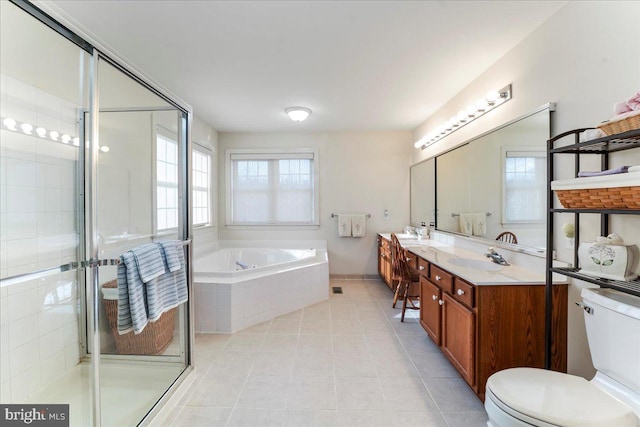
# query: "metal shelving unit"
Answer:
x=569 y=143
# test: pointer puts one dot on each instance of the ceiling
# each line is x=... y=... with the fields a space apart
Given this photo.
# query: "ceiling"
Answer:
x=358 y=65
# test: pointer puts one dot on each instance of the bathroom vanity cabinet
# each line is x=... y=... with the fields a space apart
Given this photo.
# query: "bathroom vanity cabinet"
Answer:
x=484 y=329
x=384 y=261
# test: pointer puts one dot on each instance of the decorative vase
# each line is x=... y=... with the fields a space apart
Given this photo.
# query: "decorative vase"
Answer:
x=607 y=261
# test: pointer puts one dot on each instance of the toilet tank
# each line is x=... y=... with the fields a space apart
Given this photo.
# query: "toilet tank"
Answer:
x=612 y=320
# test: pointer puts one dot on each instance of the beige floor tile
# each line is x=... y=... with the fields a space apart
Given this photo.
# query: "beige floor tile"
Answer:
x=313 y=365
x=311 y=393
x=359 y=394
x=264 y=392
x=310 y=418
x=197 y=416
x=245 y=417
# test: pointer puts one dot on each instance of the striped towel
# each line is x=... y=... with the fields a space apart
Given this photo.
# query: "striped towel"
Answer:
x=170 y=250
x=132 y=310
x=149 y=260
x=170 y=289
x=142 y=301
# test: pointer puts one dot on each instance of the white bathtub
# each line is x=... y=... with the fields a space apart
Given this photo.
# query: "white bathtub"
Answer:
x=237 y=262
x=273 y=282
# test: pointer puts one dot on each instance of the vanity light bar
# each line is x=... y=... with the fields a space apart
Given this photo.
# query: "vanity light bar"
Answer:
x=51 y=135
x=28 y=129
x=492 y=100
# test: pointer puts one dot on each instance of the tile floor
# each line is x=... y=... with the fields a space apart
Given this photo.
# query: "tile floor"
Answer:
x=343 y=362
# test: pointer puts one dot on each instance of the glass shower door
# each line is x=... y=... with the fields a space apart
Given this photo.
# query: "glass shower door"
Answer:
x=136 y=164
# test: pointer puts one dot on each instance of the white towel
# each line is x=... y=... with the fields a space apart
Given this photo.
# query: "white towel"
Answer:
x=358 y=225
x=479 y=224
x=344 y=225
x=634 y=169
x=466 y=223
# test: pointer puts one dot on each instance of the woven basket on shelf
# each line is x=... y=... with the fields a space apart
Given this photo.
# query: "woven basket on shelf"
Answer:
x=601 y=198
x=612 y=128
x=153 y=339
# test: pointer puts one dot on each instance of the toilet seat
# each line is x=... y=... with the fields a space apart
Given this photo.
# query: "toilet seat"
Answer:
x=553 y=398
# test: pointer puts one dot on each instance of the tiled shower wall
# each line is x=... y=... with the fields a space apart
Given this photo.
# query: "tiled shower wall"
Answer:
x=38 y=229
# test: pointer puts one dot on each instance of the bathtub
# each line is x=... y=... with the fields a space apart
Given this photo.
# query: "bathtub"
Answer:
x=239 y=286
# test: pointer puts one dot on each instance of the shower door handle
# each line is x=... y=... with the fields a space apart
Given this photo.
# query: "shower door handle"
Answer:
x=75 y=265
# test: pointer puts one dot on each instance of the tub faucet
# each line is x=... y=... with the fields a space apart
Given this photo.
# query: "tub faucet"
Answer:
x=242 y=265
x=496 y=257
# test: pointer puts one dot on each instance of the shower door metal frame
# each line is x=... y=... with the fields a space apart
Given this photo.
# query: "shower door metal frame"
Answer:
x=51 y=16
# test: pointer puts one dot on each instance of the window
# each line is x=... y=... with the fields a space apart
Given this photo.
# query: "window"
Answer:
x=201 y=187
x=166 y=182
x=524 y=187
x=269 y=188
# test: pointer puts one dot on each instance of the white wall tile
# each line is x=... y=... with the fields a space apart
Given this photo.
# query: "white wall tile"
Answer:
x=49 y=200
x=24 y=357
x=49 y=176
x=21 y=172
x=23 y=331
x=21 y=199
x=51 y=343
x=4 y=339
x=23 y=304
x=5 y=391
x=49 y=223
x=20 y=225
x=53 y=367
x=22 y=252
x=25 y=384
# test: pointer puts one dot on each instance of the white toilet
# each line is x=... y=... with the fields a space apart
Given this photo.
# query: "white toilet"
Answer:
x=537 y=397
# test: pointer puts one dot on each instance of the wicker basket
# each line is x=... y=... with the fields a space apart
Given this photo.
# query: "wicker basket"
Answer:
x=153 y=339
x=600 y=198
x=619 y=126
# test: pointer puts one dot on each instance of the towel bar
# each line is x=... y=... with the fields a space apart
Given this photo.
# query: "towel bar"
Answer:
x=457 y=214
x=365 y=215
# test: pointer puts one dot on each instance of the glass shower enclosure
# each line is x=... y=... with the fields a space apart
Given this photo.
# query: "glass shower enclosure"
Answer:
x=94 y=163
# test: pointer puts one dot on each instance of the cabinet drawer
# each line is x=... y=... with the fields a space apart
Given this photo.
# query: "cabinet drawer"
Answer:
x=464 y=292
x=441 y=278
x=412 y=259
x=423 y=267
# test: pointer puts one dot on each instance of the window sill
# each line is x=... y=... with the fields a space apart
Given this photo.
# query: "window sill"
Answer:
x=272 y=226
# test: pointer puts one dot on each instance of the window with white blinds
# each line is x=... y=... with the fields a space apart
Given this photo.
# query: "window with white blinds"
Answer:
x=272 y=188
x=525 y=177
x=201 y=167
x=166 y=182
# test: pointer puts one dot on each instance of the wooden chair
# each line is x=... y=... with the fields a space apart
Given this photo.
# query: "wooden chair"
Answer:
x=408 y=279
x=507 y=237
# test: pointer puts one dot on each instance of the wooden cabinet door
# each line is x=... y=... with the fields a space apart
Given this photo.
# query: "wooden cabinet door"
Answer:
x=430 y=318
x=458 y=337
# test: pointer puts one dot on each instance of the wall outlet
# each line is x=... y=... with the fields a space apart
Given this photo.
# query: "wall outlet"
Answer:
x=386 y=214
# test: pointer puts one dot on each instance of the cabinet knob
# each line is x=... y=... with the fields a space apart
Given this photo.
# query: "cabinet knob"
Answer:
x=421 y=267
x=438 y=278
x=441 y=302
x=460 y=292
x=407 y=259
x=434 y=297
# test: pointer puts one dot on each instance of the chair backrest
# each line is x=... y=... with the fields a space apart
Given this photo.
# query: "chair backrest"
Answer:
x=507 y=237
x=399 y=266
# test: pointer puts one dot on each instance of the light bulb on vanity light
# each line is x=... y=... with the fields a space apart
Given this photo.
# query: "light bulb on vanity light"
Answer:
x=26 y=128
x=471 y=111
x=481 y=106
x=42 y=132
x=9 y=123
x=54 y=135
x=76 y=141
x=492 y=97
x=65 y=138
x=462 y=116
x=454 y=121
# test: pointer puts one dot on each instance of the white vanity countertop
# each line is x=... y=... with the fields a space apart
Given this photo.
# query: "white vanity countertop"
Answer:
x=441 y=254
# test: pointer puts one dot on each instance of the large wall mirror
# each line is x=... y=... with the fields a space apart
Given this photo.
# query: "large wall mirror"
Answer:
x=491 y=184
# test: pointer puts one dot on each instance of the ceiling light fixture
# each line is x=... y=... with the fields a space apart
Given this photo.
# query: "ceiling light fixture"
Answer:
x=297 y=114
x=492 y=100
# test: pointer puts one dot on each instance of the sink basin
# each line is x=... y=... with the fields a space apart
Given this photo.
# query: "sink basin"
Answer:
x=475 y=264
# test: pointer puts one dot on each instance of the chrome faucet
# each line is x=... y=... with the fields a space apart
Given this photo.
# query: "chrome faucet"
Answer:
x=496 y=257
x=242 y=265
